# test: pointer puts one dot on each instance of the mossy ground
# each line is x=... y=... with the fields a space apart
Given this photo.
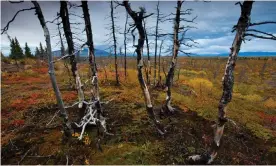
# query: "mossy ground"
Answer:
x=28 y=104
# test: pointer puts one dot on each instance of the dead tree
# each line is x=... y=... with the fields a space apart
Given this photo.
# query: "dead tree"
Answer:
x=94 y=114
x=92 y=59
x=62 y=111
x=155 y=48
x=148 y=67
x=138 y=18
x=159 y=82
x=71 y=51
x=114 y=41
x=125 y=45
x=62 y=53
x=177 y=43
x=228 y=79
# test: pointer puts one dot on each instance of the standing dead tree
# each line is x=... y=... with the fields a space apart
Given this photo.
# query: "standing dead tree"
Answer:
x=138 y=18
x=228 y=79
x=62 y=111
x=93 y=111
x=177 y=43
x=114 y=41
x=155 y=47
x=62 y=52
x=125 y=45
x=159 y=82
x=148 y=67
x=71 y=51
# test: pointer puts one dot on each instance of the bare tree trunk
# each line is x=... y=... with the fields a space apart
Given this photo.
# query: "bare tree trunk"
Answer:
x=167 y=107
x=159 y=64
x=115 y=42
x=228 y=82
x=125 y=33
x=92 y=59
x=164 y=71
x=62 y=51
x=138 y=20
x=148 y=68
x=156 y=38
x=63 y=113
x=69 y=38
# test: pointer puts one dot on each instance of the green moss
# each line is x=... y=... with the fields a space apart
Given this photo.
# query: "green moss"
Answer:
x=259 y=131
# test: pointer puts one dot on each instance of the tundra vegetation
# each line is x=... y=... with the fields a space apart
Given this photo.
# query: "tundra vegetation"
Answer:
x=177 y=116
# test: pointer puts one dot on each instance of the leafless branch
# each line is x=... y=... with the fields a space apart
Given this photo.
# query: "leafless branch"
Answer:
x=16 y=1
x=8 y=24
x=261 y=37
x=261 y=23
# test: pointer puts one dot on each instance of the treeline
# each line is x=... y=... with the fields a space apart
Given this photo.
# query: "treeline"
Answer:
x=16 y=52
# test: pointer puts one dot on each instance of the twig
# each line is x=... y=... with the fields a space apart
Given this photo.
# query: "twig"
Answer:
x=24 y=156
x=8 y=24
x=39 y=156
x=67 y=160
x=53 y=117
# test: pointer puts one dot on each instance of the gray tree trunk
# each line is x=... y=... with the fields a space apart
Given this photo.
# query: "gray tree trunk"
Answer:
x=228 y=82
x=167 y=107
x=155 y=49
x=125 y=33
x=63 y=113
x=62 y=51
x=148 y=68
x=138 y=20
x=92 y=59
x=115 y=42
x=71 y=51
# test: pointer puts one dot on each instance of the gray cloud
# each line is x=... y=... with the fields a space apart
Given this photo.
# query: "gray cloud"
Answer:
x=215 y=20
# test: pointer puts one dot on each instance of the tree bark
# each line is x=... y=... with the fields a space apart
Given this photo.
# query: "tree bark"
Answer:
x=63 y=113
x=159 y=64
x=138 y=20
x=155 y=49
x=228 y=82
x=69 y=38
x=62 y=51
x=148 y=68
x=125 y=33
x=92 y=60
x=115 y=42
x=167 y=107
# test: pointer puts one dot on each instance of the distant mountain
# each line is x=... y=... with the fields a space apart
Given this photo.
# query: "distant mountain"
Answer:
x=84 y=52
x=241 y=54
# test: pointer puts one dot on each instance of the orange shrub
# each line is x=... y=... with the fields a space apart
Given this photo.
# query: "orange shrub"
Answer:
x=43 y=70
x=69 y=96
x=19 y=104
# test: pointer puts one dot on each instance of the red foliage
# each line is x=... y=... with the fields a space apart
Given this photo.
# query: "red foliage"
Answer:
x=19 y=104
x=18 y=122
x=69 y=96
x=30 y=80
x=43 y=70
x=267 y=118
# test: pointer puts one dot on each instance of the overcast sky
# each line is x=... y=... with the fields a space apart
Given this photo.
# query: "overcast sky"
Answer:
x=214 y=23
